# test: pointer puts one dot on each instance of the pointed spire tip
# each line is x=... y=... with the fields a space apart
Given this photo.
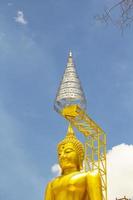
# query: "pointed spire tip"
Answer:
x=70 y=53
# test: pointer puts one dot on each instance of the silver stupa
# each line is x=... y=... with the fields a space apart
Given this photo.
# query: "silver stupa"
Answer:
x=70 y=90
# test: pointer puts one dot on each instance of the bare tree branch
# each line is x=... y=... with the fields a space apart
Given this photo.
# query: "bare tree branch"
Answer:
x=120 y=14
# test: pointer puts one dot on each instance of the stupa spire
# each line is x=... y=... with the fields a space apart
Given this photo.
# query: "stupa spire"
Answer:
x=70 y=53
x=70 y=90
x=70 y=58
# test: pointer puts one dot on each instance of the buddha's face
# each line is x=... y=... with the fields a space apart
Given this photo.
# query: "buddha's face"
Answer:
x=68 y=157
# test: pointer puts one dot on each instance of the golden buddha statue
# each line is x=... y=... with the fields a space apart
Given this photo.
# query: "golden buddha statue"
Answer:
x=73 y=183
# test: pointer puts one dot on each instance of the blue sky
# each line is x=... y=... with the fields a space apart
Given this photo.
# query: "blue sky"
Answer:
x=35 y=37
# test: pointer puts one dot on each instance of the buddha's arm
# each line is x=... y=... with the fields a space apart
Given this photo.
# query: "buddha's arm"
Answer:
x=48 y=193
x=94 y=186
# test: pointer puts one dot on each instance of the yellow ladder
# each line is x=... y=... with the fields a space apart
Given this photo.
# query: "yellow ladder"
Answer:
x=95 y=141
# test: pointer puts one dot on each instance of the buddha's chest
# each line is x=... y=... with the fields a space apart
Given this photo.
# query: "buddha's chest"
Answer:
x=70 y=183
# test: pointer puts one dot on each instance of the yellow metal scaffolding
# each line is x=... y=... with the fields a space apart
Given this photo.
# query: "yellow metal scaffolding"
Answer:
x=95 y=141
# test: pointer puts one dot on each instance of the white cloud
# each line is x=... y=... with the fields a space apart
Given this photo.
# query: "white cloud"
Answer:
x=20 y=18
x=56 y=170
x=120 y=171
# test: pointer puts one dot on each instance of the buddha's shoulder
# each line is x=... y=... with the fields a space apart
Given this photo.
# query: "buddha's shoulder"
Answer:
x=93 y=176
x=55 y=181
x=92 y=173
x=77 y=175
x=72 y=176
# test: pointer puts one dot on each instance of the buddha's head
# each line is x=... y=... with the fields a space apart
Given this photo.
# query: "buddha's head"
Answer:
x=70 y=152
